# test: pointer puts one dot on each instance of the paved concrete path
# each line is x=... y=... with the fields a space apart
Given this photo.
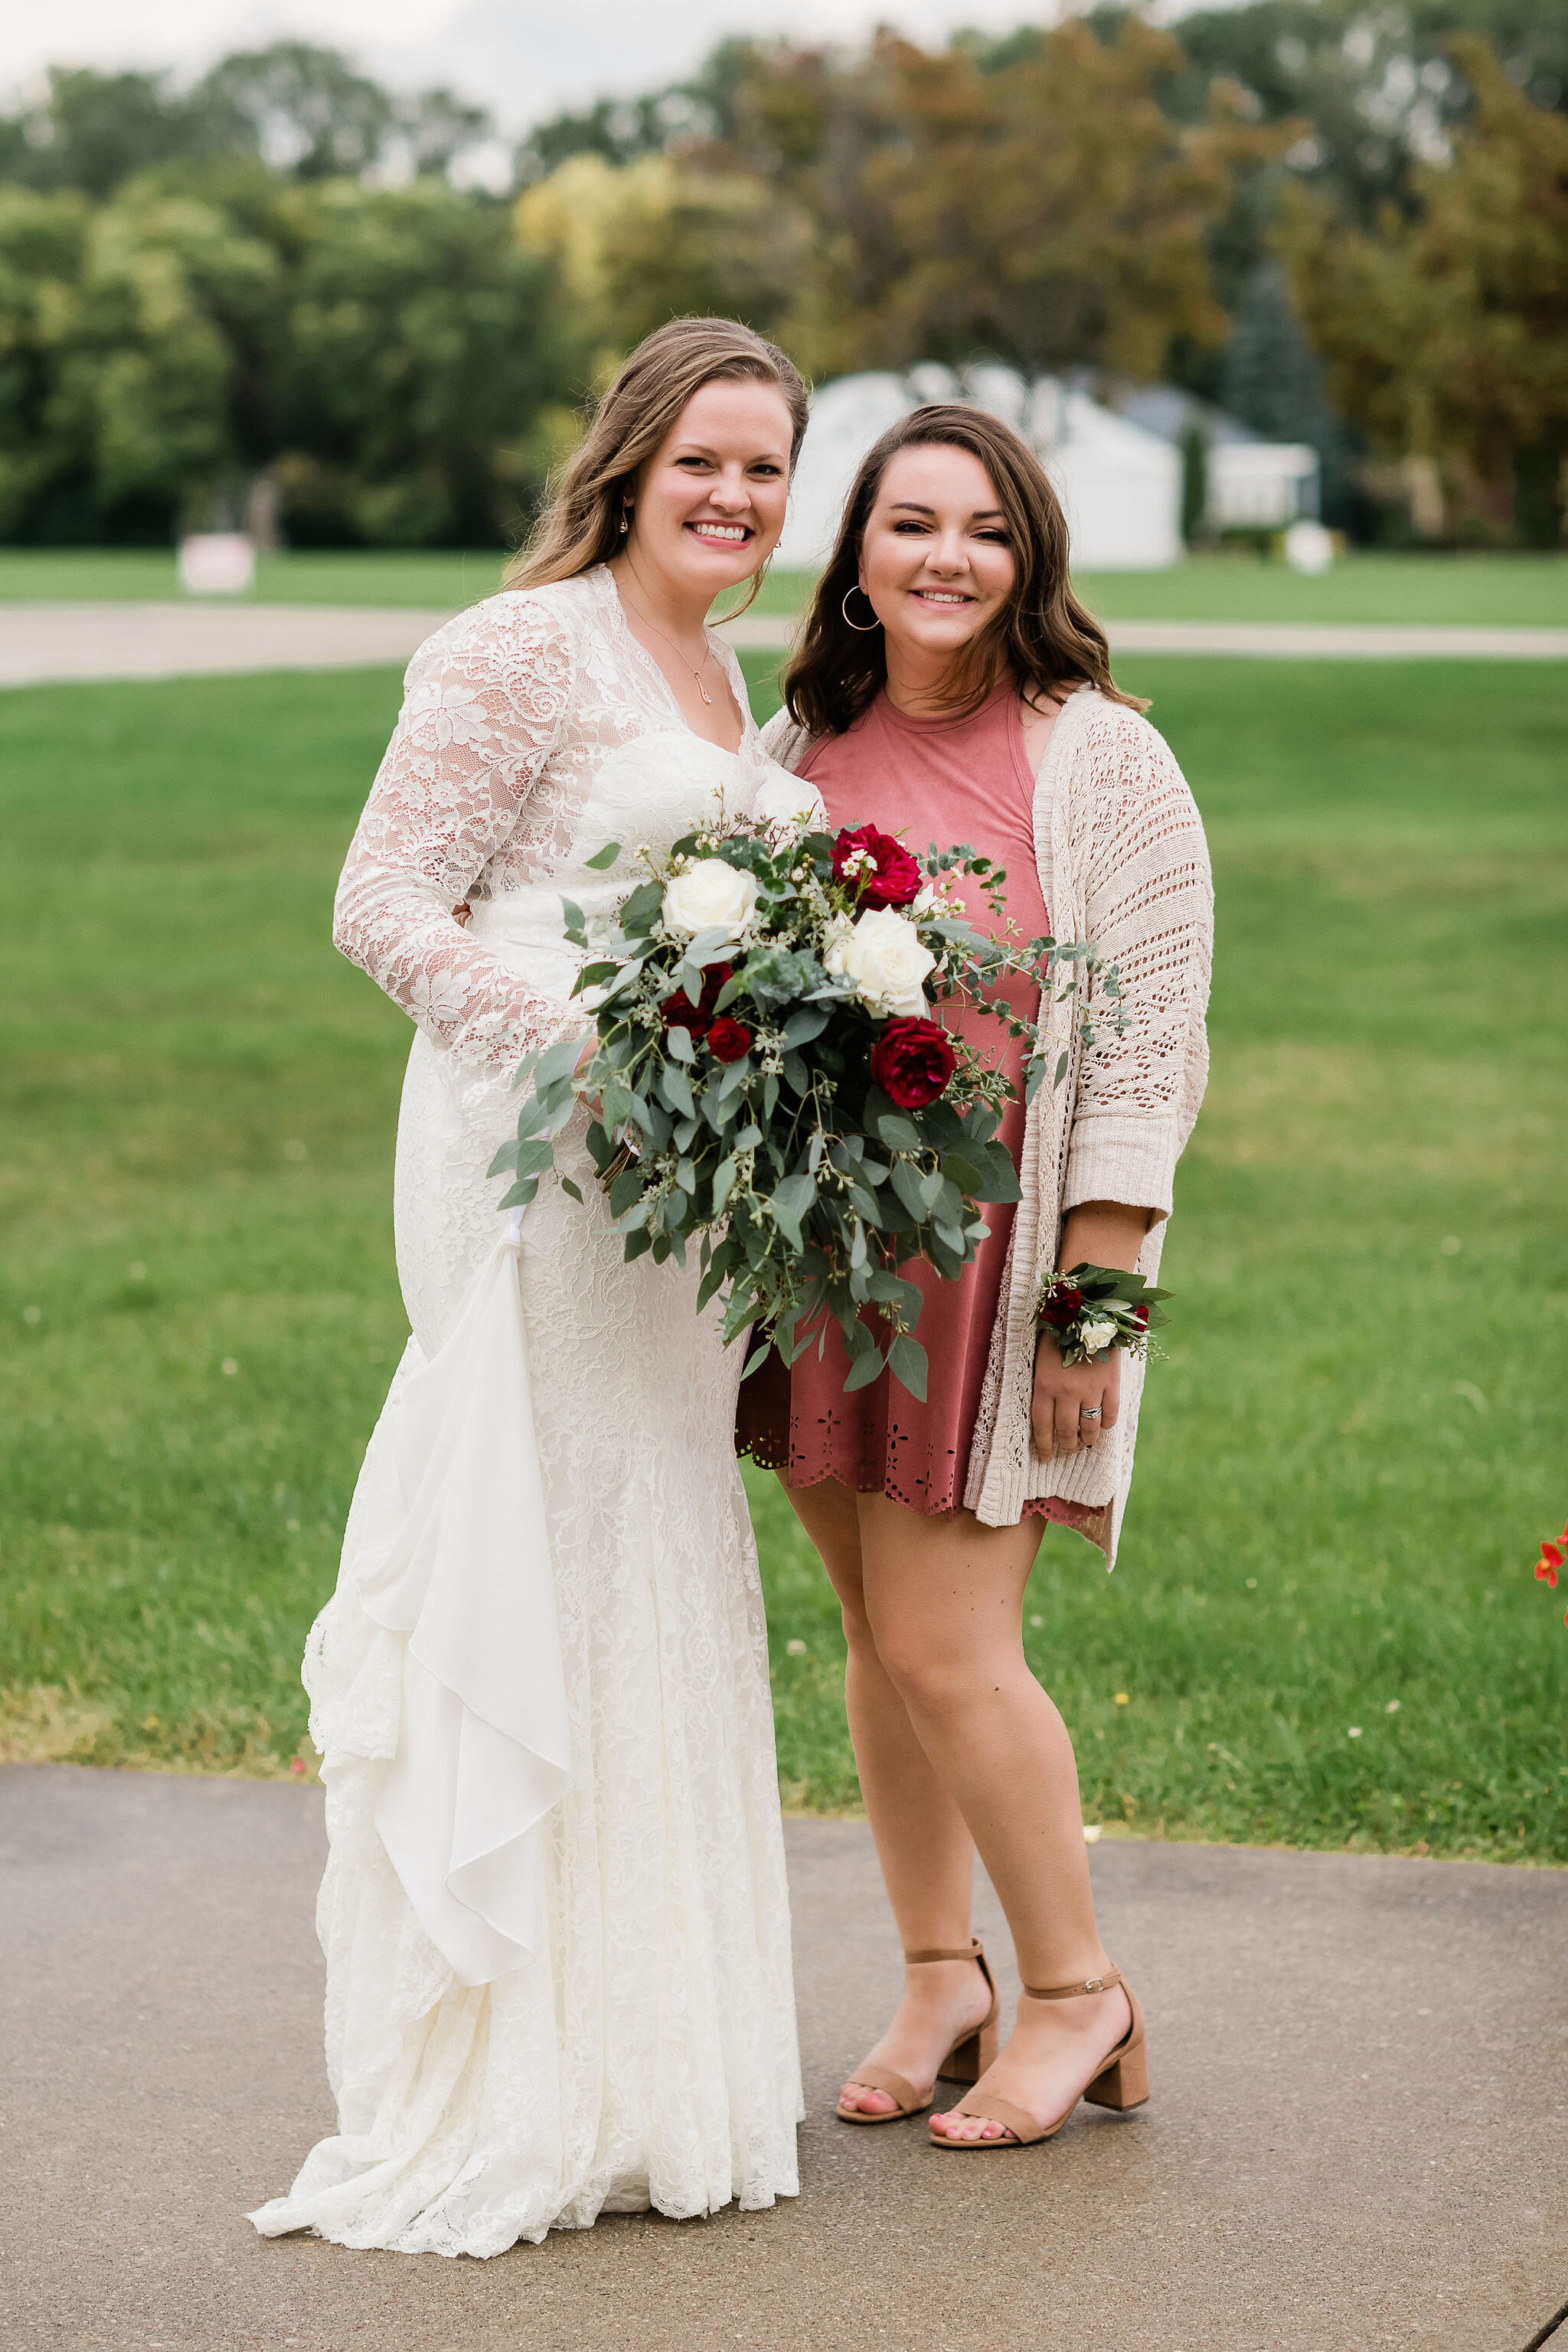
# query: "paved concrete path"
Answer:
x=1356 y=2139
x=47 y=643
x=1274 y=640
x=43 y=644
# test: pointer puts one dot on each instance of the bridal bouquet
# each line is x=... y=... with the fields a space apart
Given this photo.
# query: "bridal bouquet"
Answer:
x=767 y=1082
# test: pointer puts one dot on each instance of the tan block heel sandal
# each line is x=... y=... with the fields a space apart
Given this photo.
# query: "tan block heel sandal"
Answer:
x=1121 y=2080
x=965 y=2061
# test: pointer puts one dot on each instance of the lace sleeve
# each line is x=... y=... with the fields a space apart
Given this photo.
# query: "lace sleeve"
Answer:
x=1149 y=910
x=484 y=706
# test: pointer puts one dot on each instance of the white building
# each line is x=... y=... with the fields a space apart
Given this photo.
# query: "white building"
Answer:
x=1251 y=484
x=1119 y=484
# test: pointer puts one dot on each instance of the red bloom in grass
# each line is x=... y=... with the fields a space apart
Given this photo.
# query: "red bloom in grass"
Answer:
x=1553 y=1557
x=912 y=1061
x=727 y=1039
x=878 y=868
x=677 y=1011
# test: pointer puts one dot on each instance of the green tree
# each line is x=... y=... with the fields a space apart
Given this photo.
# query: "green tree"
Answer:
x=641 y=242
x=1041 y=203
x=42 y=242
x=94 y=130
x=1446 y=328
x=124 y=327
x=418 y=344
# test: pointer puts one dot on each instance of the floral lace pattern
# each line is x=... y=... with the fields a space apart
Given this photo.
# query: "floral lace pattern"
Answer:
x=645 y=2053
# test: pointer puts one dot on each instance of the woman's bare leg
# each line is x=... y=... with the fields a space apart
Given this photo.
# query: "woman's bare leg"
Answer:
x=949 y=1726
x=944 y=1601
x=925 y=1850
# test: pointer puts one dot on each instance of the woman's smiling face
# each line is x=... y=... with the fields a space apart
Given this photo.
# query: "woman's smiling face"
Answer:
x=936 y=560
x=708 y=505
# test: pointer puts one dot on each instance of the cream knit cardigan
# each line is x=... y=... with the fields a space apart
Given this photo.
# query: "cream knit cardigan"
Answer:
x=1122 y=864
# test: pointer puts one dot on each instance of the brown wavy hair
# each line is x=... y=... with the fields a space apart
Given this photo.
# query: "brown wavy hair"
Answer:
x=1043 y=636
x=581 y=523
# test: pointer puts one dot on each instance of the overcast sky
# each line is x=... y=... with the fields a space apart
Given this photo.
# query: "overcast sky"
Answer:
x=525 y=60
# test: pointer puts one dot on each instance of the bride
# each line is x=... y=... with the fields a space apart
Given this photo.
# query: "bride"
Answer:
x=554 y=1914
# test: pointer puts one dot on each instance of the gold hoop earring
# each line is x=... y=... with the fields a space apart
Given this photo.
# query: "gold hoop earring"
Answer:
x=861 y=628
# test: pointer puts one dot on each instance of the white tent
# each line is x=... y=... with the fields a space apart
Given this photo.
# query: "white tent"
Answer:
x=1119 y=484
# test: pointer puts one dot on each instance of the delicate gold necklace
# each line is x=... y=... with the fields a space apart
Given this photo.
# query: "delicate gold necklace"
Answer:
x=680 y=657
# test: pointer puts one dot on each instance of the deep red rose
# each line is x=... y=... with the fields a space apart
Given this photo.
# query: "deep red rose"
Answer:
x=677 y=1011
x=1141 y=1317
x=1062 y=1306
x=892 y=878
x=912 y=1061
x=727 y=1039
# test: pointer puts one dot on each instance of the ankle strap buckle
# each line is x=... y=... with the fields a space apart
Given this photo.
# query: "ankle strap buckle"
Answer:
x=1071 y=1991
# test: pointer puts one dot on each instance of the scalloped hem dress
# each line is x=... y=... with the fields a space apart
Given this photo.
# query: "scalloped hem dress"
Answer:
x=926 y=780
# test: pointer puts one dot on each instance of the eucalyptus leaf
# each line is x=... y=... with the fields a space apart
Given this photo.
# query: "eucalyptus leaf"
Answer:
x=603 y=859
x=724 y=1177
x=906 y=1363
x=806 y=1021
x=910 y=1190
x=642 y=910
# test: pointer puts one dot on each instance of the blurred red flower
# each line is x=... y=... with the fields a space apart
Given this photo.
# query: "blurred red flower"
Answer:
x=912 y=1061
x=892 y=878
x=727 y=1039
x=1062 y=1306
x=677 y=1011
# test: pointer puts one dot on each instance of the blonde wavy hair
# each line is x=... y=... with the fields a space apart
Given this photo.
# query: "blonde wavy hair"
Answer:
x=581 y=523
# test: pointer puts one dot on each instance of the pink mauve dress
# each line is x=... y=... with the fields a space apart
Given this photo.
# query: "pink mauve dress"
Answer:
x=926 y=780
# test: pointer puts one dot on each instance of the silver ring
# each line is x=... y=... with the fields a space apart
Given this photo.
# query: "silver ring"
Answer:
x=1090 y=1412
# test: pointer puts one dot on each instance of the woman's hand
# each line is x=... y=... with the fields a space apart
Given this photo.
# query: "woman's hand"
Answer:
x=1073 y=1409
x=1074 y=1405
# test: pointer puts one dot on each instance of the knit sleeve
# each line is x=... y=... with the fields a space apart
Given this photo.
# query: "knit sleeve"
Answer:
x=1149 y=911
x=784 y=741
x=483 y=708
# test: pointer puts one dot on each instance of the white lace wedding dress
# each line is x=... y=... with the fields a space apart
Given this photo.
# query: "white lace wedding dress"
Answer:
x=554 y=1914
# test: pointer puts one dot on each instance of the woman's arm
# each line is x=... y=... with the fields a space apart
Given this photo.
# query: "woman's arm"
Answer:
x=1149 y=911
x=1097 y=1232
x=483 y=710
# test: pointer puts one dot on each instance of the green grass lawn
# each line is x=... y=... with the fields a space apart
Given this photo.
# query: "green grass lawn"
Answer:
x=1346 y=1461
x=1521 y=591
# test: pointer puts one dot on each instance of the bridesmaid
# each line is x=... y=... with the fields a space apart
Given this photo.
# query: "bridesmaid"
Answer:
x=949 y=688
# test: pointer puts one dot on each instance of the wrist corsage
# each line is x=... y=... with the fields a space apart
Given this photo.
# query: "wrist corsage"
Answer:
x=1090 y=1309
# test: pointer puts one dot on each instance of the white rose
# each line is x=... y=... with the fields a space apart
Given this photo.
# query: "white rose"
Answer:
x=1095 y=1336
x=883 y=955
x=711 y=896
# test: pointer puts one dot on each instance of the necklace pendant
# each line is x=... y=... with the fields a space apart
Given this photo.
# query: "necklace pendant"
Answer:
x=702 y=691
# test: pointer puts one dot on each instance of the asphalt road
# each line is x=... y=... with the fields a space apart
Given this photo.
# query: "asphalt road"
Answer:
x=1357 y=2135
